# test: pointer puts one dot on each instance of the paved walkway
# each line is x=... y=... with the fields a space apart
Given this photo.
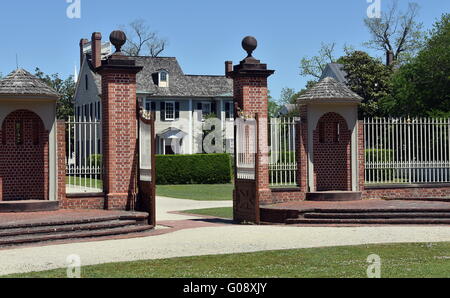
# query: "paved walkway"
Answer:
x=212 y=238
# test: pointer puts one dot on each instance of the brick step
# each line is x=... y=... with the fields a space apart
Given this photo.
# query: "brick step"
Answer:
x=136 y=216
x=333 y=196
x=373 y=221
x=28 y=206
x=66 y=228
x=27 y=239
x=379 y=210
x=385 y=215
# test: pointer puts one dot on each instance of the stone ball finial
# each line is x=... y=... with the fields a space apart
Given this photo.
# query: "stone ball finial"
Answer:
x=118 y=39
x=249 y=44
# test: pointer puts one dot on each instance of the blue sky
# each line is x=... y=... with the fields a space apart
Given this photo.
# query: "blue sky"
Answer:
x=202 y=34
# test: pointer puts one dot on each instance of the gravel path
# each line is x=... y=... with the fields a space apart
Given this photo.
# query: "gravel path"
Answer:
x=210 y=240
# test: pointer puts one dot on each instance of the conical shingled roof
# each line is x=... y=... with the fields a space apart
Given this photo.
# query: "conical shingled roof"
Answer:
x=330 y=89
x=21 y=83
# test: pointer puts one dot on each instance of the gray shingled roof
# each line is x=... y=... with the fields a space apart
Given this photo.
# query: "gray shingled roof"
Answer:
x=336 y=71
x=21 y=83
x=329 y=89
x=180 y=84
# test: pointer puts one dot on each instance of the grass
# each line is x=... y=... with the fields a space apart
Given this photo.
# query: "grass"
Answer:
x=197 y=192
x=397 y=260
x=225 y=212
x=96 y=183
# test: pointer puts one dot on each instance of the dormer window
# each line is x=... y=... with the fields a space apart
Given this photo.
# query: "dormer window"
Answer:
x=163 y=79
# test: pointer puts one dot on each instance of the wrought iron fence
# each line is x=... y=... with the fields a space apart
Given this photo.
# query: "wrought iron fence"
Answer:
x=246 y=146
x=407 y=151
x=283 y=152
x=84 y=167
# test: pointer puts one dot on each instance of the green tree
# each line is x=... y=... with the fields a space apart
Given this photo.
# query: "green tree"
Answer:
x=315 y=65
x=369 y=78
x=66 y=88
x=422 y=87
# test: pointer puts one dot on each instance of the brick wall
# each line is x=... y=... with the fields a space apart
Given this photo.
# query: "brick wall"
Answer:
x=119 y=138
x=303 y=149
x=83 y=202
x=332 y=157
x=418 y=192
x=61 y=162
x=24 y=168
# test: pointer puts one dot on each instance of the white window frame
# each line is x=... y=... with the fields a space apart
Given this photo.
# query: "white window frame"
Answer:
x=162 y=83
x=173 y=111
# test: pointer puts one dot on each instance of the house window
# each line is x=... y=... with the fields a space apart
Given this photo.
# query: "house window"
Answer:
x=150 y=105
x=163 y=79
x=229 y=110
x=206 y=108
x=170 y=110
x=19 y=132
x=163 y=76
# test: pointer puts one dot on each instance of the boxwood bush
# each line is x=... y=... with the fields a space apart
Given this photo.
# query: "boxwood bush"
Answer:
x=193 y=169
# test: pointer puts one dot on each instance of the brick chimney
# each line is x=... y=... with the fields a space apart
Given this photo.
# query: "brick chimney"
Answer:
x=96 y=47
x=389 y=58
x=228 y=68
x=83 y=42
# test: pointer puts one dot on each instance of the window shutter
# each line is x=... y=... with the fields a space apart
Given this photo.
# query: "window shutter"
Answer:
x=177 y=110
x=214 y=108
x=199 y=106
x=153 y=106
x=163 y=111
x=227 y=110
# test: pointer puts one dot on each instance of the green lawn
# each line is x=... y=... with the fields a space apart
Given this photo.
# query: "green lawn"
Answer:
x=94 y=183
x=198 y=192
x=397 y=260
x=225 y=212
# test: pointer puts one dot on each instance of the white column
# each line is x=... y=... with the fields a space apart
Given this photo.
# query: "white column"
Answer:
x=191 y=130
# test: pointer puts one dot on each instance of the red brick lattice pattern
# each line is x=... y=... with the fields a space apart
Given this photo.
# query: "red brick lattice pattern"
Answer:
x=332 y=162
x=24 y=167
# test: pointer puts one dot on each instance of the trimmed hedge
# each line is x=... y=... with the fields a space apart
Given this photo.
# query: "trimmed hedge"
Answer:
x=193 y=169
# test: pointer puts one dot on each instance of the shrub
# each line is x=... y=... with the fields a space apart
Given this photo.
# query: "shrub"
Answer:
x=95 y=160
x=193 y=169
x=379 y=155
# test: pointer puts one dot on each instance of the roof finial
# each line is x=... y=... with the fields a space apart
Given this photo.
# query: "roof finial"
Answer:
x=118 y=39
x=249 y=44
